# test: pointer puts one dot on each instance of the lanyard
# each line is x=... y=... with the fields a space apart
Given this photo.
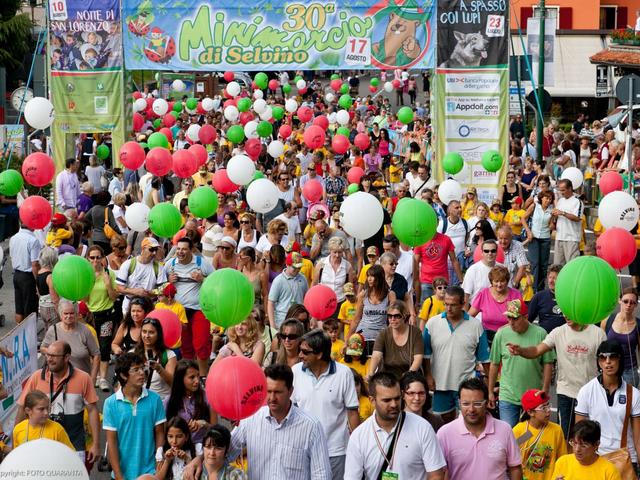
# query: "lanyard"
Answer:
x=26 y=439
x=529 y=449
x=395 y=442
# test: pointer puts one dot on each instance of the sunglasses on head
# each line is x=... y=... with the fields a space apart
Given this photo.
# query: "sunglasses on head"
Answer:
x=604 y=356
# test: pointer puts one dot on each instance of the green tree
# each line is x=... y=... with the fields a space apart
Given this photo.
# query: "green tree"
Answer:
x=15 y=34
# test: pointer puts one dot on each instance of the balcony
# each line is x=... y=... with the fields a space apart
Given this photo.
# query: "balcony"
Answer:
x=625 y=37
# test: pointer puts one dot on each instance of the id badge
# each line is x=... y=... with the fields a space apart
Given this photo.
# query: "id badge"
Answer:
x=390 y=476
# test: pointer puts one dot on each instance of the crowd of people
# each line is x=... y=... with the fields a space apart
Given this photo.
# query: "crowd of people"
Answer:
x=439 y=360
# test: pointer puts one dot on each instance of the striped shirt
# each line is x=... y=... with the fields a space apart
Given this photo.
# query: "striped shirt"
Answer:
x=295 y=449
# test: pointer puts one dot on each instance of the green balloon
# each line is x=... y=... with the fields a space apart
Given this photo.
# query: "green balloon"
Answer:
x=143 y=145
x=235 y=134
x=192 y=103
x=203 y=202
x=73 y=277
x=344 y=131
x=258 y=175
x=102 y=151
x=405 y=115
x=344 y=88
x=492 y=160
x=244 y=104
x=335 y=76
x=262 y=80
x=452 y=163
x=174 y=114
x=165 y=220
x=286 y=88
x=353 y=188
x=587 y=290
x=157 y=123
x=297 y=78
x=157 y=139
x=414 y=222
x=264 y=129
x=11 y=183
x=226 y=297
x=277 y=113
x=177 y=107
x=375 y=81
x=345 y=101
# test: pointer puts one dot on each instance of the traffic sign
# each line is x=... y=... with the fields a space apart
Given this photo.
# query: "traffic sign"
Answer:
x=545 y=101
x=622 y=89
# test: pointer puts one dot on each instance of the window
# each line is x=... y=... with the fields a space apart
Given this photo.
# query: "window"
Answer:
x=552 y=12
x=608 y=17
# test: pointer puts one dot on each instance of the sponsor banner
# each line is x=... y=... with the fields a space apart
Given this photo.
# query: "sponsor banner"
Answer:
x=478 y=129
x=477 y=84
x=205 y=35
x=472 y=34
x=90 y=98
x=22 y=341
x=12 y=139
x=472 y=106
x=533 y=48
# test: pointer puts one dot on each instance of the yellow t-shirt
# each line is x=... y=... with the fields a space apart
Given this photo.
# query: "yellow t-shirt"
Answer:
x=307 y=270
x=362 y=277
x=346 y=314
x=431 y=307
x=496 y=217
x=526 y=287
x=467 y=209
x=176 y=308
x=513 y=218
x=92 y=330
x=51 y=430
x=539 y=457
x=309 y=232
x=569 y=467
x=357 y=366
x=56 y=236
x=365 y=410
x=336 y=350
x=201 y=181
x=395 y=170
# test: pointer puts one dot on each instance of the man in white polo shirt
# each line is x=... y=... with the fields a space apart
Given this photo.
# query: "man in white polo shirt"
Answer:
x=326 y=389
x=568 y=218
x=454 y=343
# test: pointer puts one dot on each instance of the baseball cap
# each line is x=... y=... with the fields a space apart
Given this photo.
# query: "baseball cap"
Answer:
x=294 y=259
x=149 y=242
x=516 y=308
x=292 y=246
x=355 y=345
x=348 y=289
x=372 y=250
x=516 y=201
x=83 y=309
x=472 y=190
x=58 y=220
x=533 y=398
x=169 y=290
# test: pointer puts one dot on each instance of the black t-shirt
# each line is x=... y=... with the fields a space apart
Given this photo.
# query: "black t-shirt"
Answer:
x=543 y=306
x=376 y=240
x=399 y=286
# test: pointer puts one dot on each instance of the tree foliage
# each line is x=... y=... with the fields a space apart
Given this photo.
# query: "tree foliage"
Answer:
x=15 y=34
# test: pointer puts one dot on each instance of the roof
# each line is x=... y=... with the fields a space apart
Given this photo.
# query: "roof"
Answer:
x=618 y=56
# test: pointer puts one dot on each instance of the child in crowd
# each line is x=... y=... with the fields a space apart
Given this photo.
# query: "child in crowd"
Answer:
x=177 y=452
x=167 y=300
x=513 y=218
x=526 y=285
x=395 y=173
x=332 y=327
x=495 y=212
x=59 y=231
x=37 y=424
x=365 y=410
x=434 y=305
x=84 y=316
x=348 y=308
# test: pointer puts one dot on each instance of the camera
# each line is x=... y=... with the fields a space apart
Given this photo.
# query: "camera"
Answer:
x=57 y=417
x=104 y=465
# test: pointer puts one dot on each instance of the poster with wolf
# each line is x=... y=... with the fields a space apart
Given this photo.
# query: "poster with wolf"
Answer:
x=472 y=34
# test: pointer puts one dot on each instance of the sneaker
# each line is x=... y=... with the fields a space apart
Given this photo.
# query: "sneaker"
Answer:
x=104 y=385
x=98 y=378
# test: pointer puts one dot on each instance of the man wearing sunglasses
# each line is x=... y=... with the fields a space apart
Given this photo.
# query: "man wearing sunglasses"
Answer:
x=138 y=276
x=477 y=276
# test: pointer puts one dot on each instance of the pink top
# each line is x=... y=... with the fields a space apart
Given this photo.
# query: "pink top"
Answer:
x=486 y=457
x=493 y=312
x=383 y=148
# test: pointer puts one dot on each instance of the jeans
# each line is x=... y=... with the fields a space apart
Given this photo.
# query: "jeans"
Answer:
x=539 y=251
x=566 y=414
x=509 y=412
x=426 y=290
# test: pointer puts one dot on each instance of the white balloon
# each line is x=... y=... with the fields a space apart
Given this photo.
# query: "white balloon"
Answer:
x=329 y=97
x=575 y=175
x=449 y=190
x=178 y=85
x=291 y=105
x=192 y=132
x=231 y=113
x=233 y=89
x=332 y=117
x=259 y=106
x=250 y=129
x=342 y=117
x=241 y=169
x=361 y=215
x=208 y=104
x=258 y=94
x=262 y=195
x=275 y=149
x=50 y=459
x=38 y=112
x=136 y=216
x=300 y=84
x=190 y=111
x=388 y=87
x=160 y=106
x=618 y=209
x=139 y=105
x=155 y=93
x=266 y=114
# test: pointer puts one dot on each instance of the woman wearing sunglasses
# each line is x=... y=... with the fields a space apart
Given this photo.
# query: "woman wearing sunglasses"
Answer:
x=624 y=327
x=160 y=360
x=286 y=348
x=225 y=256
x=248 y=235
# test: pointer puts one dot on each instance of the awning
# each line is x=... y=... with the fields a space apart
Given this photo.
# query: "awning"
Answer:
x=575 y=75
x=618 y=56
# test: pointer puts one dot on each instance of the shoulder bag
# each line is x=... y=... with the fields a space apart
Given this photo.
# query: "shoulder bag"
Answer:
x=621 y=458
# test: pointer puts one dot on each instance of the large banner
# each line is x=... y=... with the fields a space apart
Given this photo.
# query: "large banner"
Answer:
x=533 y=48
x=471 y=90
x=85 y=64
x=205 y=35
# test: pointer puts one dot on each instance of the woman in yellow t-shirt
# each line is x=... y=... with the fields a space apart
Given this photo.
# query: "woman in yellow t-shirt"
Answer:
x=37 y=425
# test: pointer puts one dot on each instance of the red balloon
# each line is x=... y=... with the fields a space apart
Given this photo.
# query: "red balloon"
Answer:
x=302 y=91
x=137 y=95
x=340 y=144
x=355 y=174
x=168 y=120
x=321 y=301
x=171 y=326
x=477 y=254
x=185 y=163
x=200 y=109
x=253 y=147
x=200 y=153
x=150 y=101
x=305 y=114
x=373 y=89
x=336 y=84
x=38 y=169
x=138 y=122
x=159 y=161
x=274 y=84
x=314 y=137
x=396 y=83
x=285 y=131
x=230 y=102
x=362 y=141
x=236 y=387
x=132 y=155
x=322 y=122
x=35 y=212
x=222 y=184
x=617 y=247
x=246 y=117
x=229 y=76
x=207 y=134
x=312 y=190
x=610 y=182
x=167 y=133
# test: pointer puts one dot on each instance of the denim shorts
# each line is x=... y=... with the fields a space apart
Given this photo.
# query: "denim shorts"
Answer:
x=445 y=401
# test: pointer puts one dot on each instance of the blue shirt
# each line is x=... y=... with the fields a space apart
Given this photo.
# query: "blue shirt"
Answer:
x=543 y=306
x=24 y=249
x=135 y=426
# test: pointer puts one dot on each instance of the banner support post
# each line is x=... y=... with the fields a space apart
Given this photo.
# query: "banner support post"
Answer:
x=540 y=119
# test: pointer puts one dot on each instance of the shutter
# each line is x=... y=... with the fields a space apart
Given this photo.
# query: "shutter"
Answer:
x=525 y=14
x=566 y=18
x=622 y=18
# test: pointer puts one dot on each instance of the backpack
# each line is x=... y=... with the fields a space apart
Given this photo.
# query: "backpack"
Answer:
x=134 y=262
x=108 y=231
x=198 y=261
x=445 y=224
